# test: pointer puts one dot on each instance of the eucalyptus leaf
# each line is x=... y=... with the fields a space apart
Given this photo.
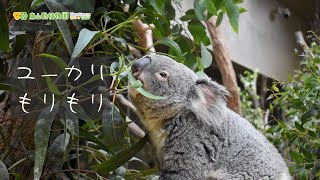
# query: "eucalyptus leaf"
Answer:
x=142 y=91
x=59 y=148
x=10 y=84
x=242 y=10
x=84 y=134
x=307 y=116
x=51 y=85
x=172 y=44
x=158 y=6
x=219 y=19
x=198 y=31
x=206 y=56
x=198 y=10
x=19 y=44
x=55 y=6
x=120 y=158
x=296 y=156
x=41 y=137
x=233 y=14
x=211 y=8
x=149 y=95
x=80 y=113
x=85 y=36
x=201 y=74
x=35 y=3
x=114 y=127
x=218 y=3
x=61 y=64
x=4 y=174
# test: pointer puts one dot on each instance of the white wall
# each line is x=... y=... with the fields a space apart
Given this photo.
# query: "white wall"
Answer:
x=261 y=43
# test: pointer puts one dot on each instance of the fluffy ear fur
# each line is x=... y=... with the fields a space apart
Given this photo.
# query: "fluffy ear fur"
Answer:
x=209 y=101
x=211 y=91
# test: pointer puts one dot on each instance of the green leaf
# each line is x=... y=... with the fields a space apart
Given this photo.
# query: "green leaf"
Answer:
x=134 y=82
x=282 y=124
x=237 y=1
x=272 y=129
x=35 y=3
x=19 y=44
x=172 y=44
x=80 y=113
x=201 y=74
x=306 y=152
x=275 y=88
x=189 y=15
x=312 y=134
x=84 y=38
x=120 y=158
x=41 y=137
x=10 y=84
x=60 y=147
x=299 y=127
x=55 y=6
x=137 y=84
x=4 y=174
x=317 y=89
x=233 y=14
x=61 y=64
x=159 y=31
x=4 y=28
x=219 y=19
x=85 y=135
x=242 y=10
x=51 y=85
x=141 y=174
x=307 y=116
x=114 y=127
x=159 y=6
x=197 y=29
x=206 y=56
x=170 y=11
x=296 y=156
x=211 y=8
x=149 y=95
x=198 y=9
x=218 y=3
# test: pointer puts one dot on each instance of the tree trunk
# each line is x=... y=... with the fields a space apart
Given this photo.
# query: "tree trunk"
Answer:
x=224 y=63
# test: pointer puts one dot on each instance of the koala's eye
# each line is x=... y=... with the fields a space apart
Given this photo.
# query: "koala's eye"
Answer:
x=163 y=74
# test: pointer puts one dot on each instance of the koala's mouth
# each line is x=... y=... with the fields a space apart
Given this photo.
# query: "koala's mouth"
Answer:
x=141 y=80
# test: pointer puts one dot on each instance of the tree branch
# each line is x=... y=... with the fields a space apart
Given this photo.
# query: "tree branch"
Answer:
x=145 y=33
x=224 y=63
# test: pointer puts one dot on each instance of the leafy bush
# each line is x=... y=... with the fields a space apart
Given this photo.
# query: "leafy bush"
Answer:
x=299 y=133
x=252 y=112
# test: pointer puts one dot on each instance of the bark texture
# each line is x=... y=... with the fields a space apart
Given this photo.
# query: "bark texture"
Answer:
x=224 y=63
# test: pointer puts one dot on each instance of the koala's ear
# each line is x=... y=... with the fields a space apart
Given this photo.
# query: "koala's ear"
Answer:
x=209 y=92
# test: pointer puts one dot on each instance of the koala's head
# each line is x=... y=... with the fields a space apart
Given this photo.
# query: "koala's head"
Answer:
x=162 y=76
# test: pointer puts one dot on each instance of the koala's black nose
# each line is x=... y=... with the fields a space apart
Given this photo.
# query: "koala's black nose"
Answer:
x=139 y=65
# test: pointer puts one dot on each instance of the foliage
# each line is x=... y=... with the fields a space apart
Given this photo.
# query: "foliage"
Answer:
x=299 y=132
x=248 y=95
x=108 y=146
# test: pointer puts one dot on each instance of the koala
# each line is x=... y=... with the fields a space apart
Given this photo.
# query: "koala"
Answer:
x=195 y=134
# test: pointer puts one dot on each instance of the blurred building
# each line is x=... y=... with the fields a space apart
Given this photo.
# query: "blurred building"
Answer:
x=266 y=39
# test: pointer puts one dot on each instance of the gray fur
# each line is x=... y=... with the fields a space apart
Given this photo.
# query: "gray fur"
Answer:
x=196 y=135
